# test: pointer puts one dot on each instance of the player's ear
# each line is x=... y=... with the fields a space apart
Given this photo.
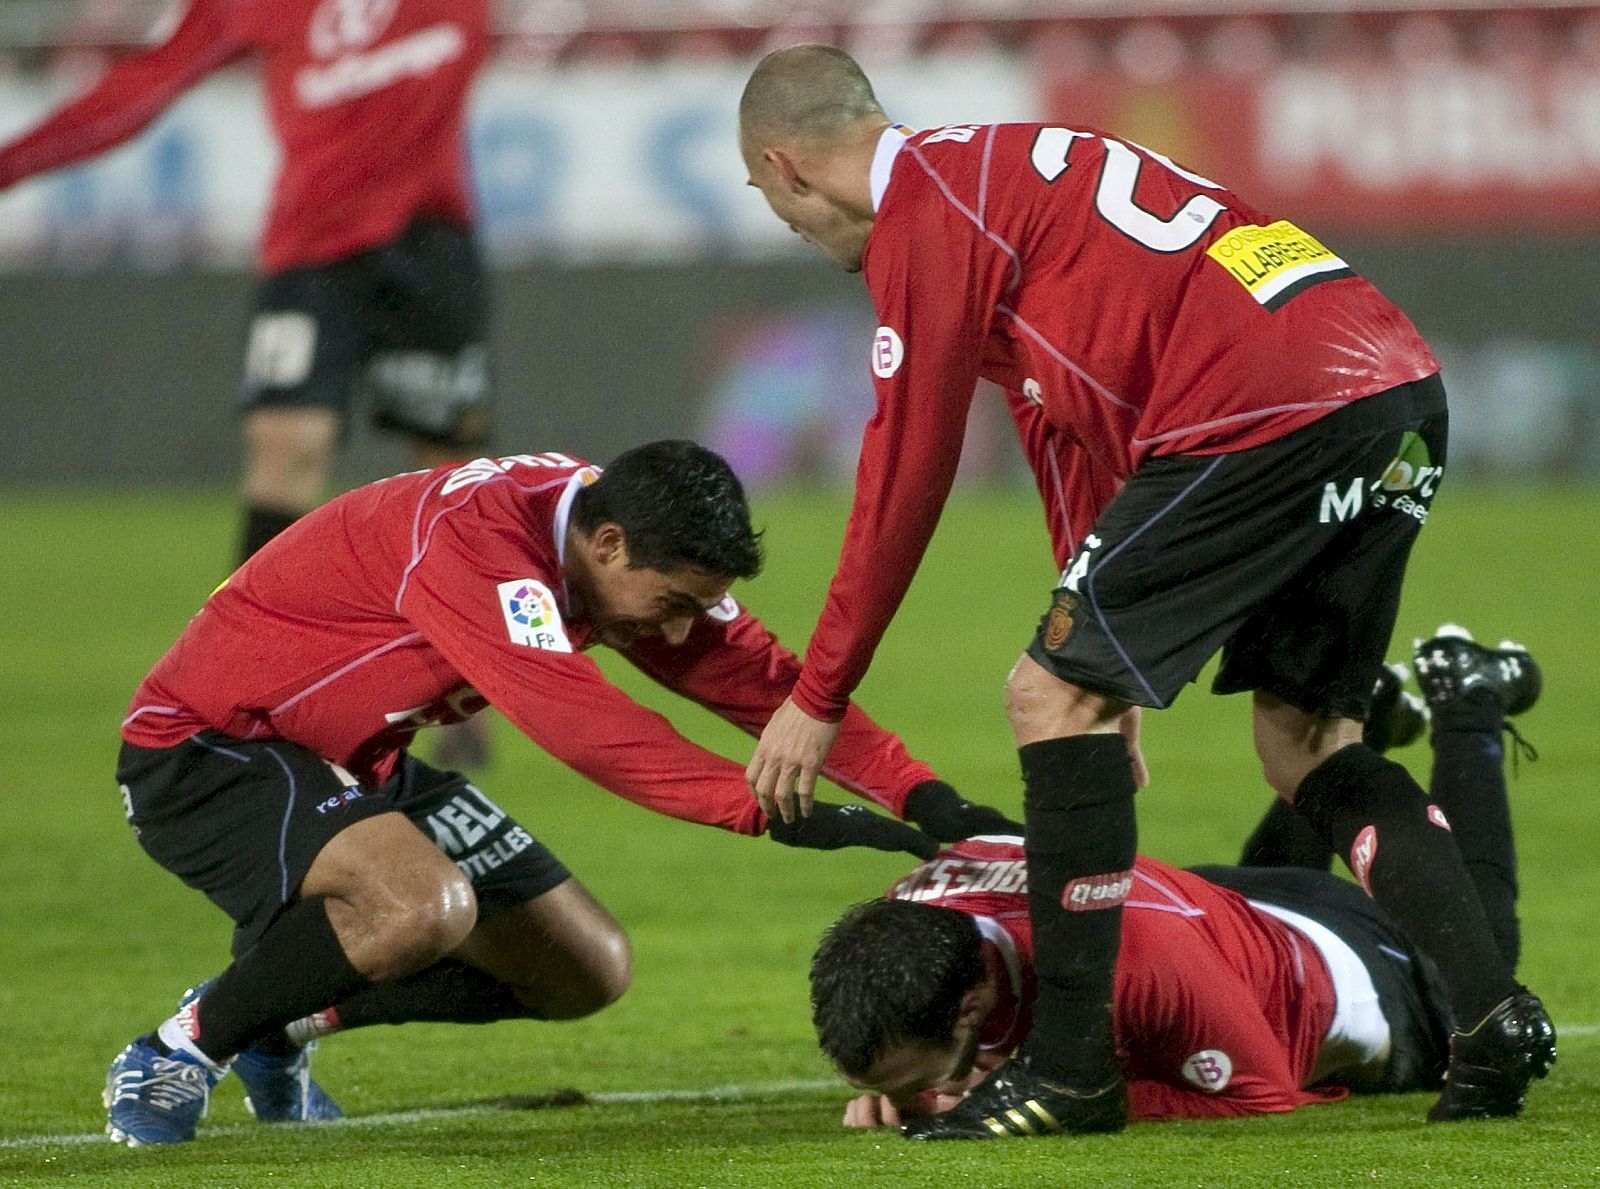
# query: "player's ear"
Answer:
x=608 y=544
x=975 y=1004
x=788 y=170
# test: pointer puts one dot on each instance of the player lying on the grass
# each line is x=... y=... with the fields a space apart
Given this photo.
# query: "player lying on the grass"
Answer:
x=264 y=758
x=1239 y=990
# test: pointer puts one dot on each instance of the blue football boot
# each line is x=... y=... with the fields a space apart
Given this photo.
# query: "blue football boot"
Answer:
x=278 y=1089
x=151 y=1098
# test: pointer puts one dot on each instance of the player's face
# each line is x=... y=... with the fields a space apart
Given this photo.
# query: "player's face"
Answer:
x=627 y=604
x=906 y=1070
x=810 y=214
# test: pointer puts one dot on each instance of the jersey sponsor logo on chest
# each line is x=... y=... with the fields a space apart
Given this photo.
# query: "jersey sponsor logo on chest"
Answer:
x=453 y=707
x=339 y=26
x=353 y=75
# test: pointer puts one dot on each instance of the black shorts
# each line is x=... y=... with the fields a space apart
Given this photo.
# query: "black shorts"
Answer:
x=242 y=820
x=1287 y=556
x=1411 y=994
x=407 y=321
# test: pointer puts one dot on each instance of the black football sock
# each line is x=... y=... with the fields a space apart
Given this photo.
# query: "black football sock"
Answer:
x=1284 y=837
x=260 y=526
x=448 y=992
x=1378 y=819
x=296 y=968
x=1469 y=785
x=1080 y=839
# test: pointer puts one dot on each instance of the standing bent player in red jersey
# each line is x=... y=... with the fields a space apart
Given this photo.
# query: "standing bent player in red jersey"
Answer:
x=264 y=762
x=1272 y=430
x=372 y=273
x=1287 y=988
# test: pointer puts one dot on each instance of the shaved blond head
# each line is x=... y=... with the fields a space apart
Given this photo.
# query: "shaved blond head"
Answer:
x=809 y=93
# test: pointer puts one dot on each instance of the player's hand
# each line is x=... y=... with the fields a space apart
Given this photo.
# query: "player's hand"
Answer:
x=942 y=812
x=783 y=772
x=878 y=1110
x=871 y=1110
x=1128 y=724
x=832 y=827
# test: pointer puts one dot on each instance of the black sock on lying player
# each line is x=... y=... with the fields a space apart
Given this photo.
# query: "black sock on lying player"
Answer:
x=1284 y=837
x=1377 y=817
x=1080 y=839
x=1469 y=785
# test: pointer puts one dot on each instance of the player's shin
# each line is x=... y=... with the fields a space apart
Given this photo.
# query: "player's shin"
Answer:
x=1469 y=785
x=1080 y=841
x=259 y=526
x=297 y=967
x=1284 y=838
x=1401 y=850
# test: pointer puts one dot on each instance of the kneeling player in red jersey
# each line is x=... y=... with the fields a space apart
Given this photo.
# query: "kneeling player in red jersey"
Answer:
x=264 y=757
x=1239 y=990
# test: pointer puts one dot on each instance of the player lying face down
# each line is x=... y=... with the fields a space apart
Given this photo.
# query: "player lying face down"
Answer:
x=1223 y=1006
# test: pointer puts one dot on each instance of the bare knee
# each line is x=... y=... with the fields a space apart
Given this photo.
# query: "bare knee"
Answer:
x=288 y=454
x=1291 y=743
x=395 y=901
x=1039 y=705
x=389 y=931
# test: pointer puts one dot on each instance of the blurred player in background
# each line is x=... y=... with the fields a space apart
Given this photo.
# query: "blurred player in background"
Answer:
x=264 y=757
x=1239 y=990
x=1257 y=435
x=371 y=273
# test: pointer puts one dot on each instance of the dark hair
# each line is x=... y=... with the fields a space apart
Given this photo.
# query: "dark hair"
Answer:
x=890 y=972
x=679 y=505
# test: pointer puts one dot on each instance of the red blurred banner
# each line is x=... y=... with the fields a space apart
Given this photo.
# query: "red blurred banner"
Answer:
x=1380 y=148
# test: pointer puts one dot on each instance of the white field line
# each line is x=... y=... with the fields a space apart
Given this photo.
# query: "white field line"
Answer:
x=507 y=1103
x=598 y=1098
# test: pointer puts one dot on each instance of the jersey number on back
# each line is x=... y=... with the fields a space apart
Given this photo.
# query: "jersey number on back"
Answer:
x=1113 y=196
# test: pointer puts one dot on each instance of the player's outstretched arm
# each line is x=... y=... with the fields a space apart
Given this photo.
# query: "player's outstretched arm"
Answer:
x=736 y=668
x=127 y=98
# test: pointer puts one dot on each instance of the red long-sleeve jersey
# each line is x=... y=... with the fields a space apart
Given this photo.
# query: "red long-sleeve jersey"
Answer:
x=1219 y=1009
x=419 y=599
x=367 y=101
x=1144 y=309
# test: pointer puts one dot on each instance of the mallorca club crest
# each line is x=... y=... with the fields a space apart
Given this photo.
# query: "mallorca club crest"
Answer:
x=531 y=615
x=1058 y=624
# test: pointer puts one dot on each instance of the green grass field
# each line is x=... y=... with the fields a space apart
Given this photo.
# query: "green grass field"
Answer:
x=706 y=1073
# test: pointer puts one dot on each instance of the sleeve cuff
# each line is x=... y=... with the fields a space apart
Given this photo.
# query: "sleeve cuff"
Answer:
x=822 y=708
